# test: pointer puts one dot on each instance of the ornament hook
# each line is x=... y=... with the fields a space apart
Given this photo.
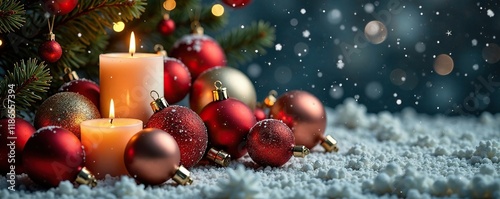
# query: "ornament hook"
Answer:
x=158 y=48
x=218 y=84
x=151 y=94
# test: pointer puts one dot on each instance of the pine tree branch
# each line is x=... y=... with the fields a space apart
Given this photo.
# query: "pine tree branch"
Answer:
x=241 y=45
x=11 y=15
x=29 y=80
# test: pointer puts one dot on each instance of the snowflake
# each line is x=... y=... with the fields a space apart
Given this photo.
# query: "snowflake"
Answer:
x=490 y=13
x=306 y=33
x=278 y=47
x=448 y=32
x=241 y=184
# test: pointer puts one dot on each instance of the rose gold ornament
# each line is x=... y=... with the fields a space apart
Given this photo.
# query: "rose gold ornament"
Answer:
x=152 y=157
x=306 y=116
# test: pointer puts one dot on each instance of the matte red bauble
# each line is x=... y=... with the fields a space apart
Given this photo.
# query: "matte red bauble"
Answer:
x=84 y=87
x=199 y=53
x=59 y=7
x=166 y=25
x=152 y=157
x=176 y=80
x=54 y=154
x=50 y=51
x=228 y=121
x=304 y=114
x=14 y=133
x=236 y=3
x=271 y=143
x=185 y=126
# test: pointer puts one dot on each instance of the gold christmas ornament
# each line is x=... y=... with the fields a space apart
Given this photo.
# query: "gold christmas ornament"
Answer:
x=238 y=86
x=67 y=110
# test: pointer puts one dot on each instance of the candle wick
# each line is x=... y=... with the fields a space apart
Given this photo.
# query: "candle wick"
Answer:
x=131 y=54
x=111 y=121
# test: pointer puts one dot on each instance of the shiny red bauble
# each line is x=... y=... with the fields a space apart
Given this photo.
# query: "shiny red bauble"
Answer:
x=199 y=53
x=52 y=155
x=228 y=122
x=187 y=128
x=14 y=133
x=270 y=143
x=166 y=26
x=85 y=87
x=152 y=156
x=176 y=80
x=59 y=7
x=236 y=3
x=50 y=51
x=304 y=114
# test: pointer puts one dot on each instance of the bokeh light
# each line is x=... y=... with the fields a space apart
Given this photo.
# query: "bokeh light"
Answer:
x=334 y=16
x=443 y=64
x=169 y=5
x=217 y=10
x=374 y=90
x=491 y=53
x=118 y=26
x=375 y=32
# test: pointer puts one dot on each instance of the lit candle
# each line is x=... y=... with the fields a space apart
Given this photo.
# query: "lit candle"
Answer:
x=128 y=78
x=104 y=141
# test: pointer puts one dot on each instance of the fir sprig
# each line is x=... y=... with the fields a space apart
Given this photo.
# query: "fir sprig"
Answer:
x=11 y=15
x=241 y=45
x=29 y=80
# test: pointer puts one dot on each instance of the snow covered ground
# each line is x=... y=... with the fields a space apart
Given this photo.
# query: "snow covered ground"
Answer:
x=381 y=155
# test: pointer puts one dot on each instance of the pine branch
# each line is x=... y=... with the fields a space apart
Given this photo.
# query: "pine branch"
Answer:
x=11 y=15
x=241 y=45
x=29 y=80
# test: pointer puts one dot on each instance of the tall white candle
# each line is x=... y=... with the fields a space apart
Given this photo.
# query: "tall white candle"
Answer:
x=128 y=78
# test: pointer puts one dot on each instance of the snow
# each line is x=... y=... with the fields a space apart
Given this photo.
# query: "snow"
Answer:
x=386 y=155
x=490 y=13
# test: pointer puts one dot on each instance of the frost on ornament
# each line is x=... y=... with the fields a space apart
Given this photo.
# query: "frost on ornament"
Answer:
x=241 y=184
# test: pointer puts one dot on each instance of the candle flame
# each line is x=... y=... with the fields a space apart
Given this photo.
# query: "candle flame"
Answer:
x=131 y=48
x=111 y=109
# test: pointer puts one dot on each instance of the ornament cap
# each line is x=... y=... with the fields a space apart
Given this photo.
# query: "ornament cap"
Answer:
x=160 y=50
x=51 y=36
x=330 y=144
x=300 y=151
x=70 y=75
x=270 y=99
x=86 y=178
x=220 y=93
x=219 y=156
x=159 y=103
x=182 y=176
x=196 y=28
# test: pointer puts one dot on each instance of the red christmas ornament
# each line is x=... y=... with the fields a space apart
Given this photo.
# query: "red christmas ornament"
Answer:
x=306 y=116
x=185 y=126
x=84 y=87
x=199 y=53
x=236 y=3
x=59 y=7
x=166 y=25
x=50 y=51
x=14 y=133
x=54 y=154
x=176 y=80
x=152 y=157
x=271 y=143
x=228 y=121
x=260 y=114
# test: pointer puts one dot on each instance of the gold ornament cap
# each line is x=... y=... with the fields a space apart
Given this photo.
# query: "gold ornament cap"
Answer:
x=219 y=156
x=270 y=99
x=300 y=151
x=196 y=28
x=69 y=75
x=330 y=144
x=159 y=103
x=182 y=176
x=220 y=93
x=86 y=177
x=160 y=50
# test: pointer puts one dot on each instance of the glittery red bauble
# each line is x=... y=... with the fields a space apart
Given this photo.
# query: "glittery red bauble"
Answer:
x=259 y=114
x=198 y=53
x=304 y=114
x=50 y=51
x=67 y=110
x=84 y=87
x=270 y=143
x=152 y=156
x=14 y=133
x=236 y=3
x=176 y=80
x=59 y=7
x=187 y=128
x=53 y=154
x=228 y=122
x=166 y=26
